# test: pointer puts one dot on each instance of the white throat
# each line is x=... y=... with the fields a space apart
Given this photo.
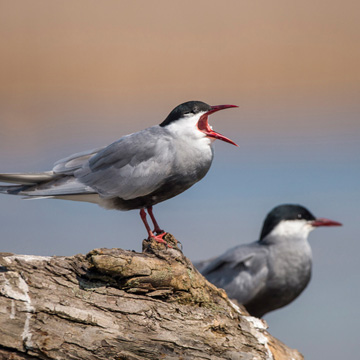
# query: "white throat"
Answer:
x=187 y=127
x=290 y=230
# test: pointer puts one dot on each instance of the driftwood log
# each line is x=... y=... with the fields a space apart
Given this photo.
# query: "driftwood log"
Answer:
x=123 y=305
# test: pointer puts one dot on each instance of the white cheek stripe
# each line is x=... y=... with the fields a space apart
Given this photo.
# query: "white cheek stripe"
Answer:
x=292 y=228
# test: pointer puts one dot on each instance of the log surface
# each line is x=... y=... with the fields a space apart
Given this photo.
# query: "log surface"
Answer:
x=123 y=305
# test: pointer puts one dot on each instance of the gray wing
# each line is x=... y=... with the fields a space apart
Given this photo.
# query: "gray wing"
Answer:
x=133 y=166
x=201 y=265
x=70 y=164
x=241 y=271
x=136 y=165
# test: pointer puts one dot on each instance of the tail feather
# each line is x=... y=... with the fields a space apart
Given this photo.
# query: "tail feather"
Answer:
x=43 y=185
x=63 y=186
x=28 y=178
x=12 y=189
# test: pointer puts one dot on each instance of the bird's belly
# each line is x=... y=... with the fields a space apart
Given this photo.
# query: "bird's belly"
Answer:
x=287 y=284
x=287 y=280
x=275 y=296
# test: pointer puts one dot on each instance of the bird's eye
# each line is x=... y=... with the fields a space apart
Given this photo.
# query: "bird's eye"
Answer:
x=299 y=216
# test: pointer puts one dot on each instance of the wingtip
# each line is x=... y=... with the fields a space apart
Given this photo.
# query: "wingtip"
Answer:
x=26 y=178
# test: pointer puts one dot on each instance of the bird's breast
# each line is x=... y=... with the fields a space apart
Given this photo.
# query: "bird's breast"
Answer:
x=291 y=268
x=193 y=158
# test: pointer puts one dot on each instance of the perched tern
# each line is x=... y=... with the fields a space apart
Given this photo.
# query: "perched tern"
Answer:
x=270 y=273
x=135 y=172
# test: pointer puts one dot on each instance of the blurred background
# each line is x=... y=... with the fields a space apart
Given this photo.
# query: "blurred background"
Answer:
x=79 y=75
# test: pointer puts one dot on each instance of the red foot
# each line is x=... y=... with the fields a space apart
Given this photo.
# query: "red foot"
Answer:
x=159 y=238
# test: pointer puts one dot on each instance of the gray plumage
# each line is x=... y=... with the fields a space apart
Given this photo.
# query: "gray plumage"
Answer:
x=270 y=273
x=122 y=176
x=135 y=172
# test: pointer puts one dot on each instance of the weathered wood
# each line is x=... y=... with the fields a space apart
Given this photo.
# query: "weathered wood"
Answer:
x=123 y=305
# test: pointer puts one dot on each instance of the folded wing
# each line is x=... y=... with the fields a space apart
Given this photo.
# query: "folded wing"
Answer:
x=242 y=271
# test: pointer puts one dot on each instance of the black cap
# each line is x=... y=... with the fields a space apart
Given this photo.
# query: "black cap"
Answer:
x=284 y=212
x=193 y=107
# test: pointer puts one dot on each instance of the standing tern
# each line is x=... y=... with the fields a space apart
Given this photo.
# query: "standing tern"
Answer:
x=270 y=273
x=135 y=172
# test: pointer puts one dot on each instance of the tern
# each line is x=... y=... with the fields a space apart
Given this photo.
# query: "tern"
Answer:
x=270 y=273
x=135 y=172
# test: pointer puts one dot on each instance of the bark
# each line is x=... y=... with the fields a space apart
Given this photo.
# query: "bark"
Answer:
x=123 y=305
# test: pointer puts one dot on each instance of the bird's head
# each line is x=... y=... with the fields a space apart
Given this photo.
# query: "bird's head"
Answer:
x=291 y=221
x=194 y=115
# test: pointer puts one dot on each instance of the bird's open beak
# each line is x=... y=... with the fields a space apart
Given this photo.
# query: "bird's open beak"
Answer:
x=324 y=222
x=203 y=124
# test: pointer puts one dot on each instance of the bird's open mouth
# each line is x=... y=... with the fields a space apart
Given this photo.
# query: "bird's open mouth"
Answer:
x=203 y=124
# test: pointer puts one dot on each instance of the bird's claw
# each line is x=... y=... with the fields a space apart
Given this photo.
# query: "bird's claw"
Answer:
x=159 y=238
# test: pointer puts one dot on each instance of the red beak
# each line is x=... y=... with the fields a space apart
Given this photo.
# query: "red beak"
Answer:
x=325 y=222
x=204 y=126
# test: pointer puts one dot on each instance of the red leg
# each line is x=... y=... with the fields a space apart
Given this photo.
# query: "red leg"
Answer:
x=143 y=218
x=156 y=226
x=159 y=237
